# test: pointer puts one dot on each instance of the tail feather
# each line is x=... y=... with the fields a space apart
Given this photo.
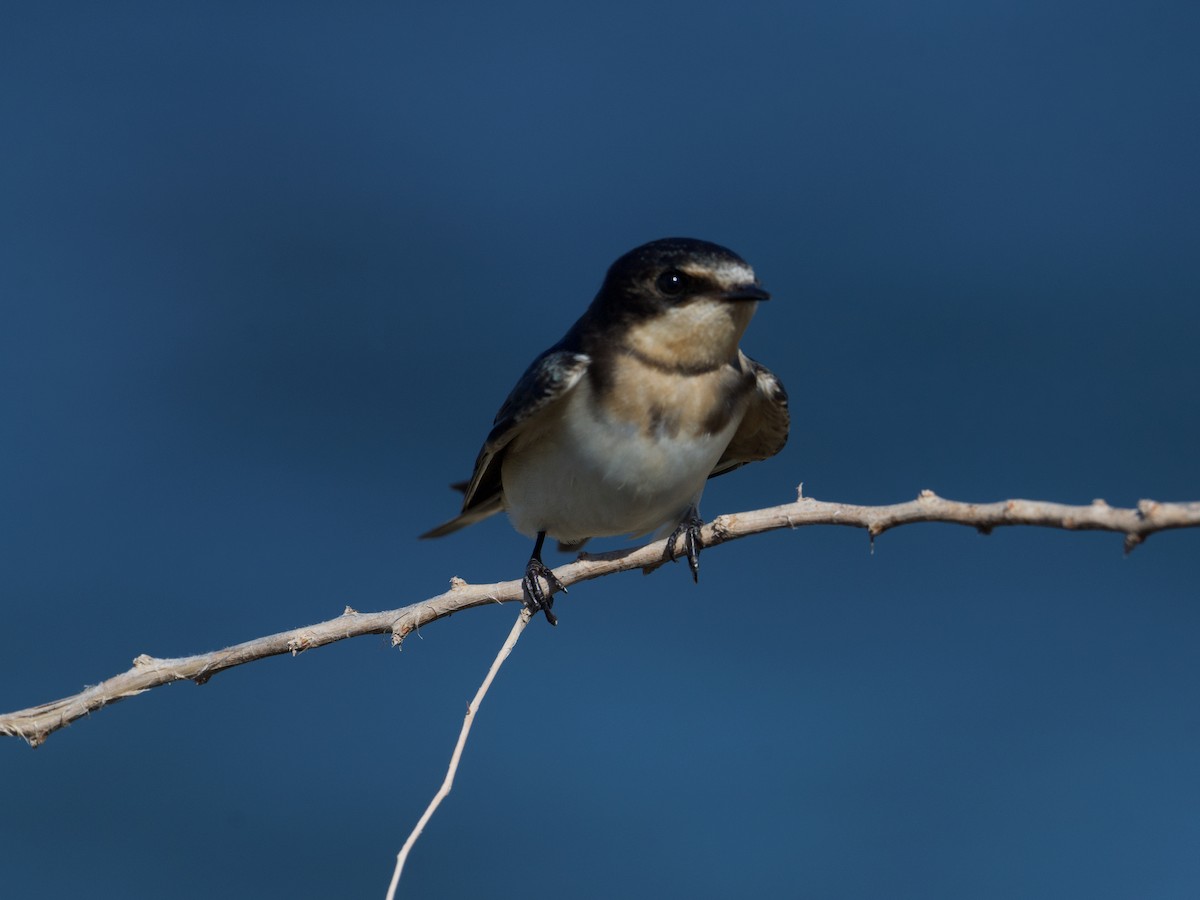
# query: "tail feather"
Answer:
x=467 y=517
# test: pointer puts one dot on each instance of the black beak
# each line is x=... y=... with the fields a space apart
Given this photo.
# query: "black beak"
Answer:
x=746 y=292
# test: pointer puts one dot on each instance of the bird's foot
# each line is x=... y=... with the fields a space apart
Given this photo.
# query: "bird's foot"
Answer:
x=535 y=596
x=689 y=530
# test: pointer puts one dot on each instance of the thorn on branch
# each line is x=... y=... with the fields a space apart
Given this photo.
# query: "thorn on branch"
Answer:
x=1131 y=541
x=985 y=530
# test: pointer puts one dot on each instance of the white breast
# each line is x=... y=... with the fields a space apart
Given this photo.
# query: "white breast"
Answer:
x=583 y=473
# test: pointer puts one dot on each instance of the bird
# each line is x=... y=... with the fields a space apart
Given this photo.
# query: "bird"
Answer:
x=615 y=429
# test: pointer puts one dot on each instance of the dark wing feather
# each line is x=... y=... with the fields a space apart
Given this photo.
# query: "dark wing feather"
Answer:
x=549 y=378
x=764 y=429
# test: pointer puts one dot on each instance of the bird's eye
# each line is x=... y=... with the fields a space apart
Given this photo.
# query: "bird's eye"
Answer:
x=672 y=282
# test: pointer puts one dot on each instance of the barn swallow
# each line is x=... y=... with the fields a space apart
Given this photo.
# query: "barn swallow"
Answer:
x=616 y=428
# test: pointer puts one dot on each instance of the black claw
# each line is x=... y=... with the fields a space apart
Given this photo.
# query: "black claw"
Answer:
x=531 y=585
x=689 y=530
x=535 y=596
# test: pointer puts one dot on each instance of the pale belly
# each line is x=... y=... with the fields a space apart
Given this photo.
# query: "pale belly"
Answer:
x=585 y=478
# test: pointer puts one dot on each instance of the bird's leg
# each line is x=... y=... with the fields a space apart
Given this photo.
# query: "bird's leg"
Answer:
x=688 y=529
x=535 y=597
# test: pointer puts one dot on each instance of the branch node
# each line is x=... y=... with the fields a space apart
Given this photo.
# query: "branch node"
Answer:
x=349 y=611
x=1131 y=541
x=927 y=495
x=721 y=528
x=402 y=628
x=984 y=529
x=298 y=645
x=800 y=491
x=1101 y=502
x=457 y=584
x=144 y=661
x=1147 y=508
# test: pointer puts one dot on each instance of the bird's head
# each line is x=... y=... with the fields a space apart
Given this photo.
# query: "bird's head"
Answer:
x=681 y=300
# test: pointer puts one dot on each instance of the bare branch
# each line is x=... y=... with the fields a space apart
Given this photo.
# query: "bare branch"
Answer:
x=38 y=722
x=448 y=782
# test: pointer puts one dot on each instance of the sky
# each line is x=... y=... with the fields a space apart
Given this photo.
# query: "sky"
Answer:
x=268 y=270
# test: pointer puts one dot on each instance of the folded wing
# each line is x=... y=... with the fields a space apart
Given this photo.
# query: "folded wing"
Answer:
x=549 y=378
x=764 y=429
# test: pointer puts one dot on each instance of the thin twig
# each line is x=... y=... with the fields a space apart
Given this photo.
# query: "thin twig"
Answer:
x=37 y=723
x=448 y=783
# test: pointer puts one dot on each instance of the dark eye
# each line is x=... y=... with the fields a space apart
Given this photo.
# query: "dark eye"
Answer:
x=672 y=282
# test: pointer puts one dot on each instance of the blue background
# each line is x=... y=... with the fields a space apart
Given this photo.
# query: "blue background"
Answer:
x=266 y=273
